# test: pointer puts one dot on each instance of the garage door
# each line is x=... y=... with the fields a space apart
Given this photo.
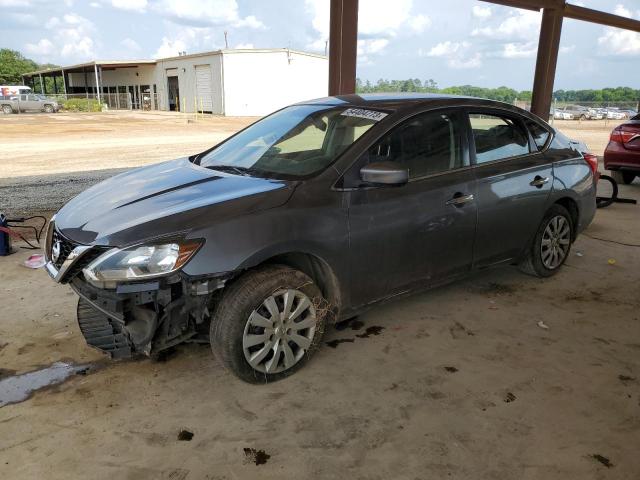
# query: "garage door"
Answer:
x=204 y=88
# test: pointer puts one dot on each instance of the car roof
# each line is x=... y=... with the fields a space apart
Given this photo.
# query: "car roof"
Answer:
x=400 y=102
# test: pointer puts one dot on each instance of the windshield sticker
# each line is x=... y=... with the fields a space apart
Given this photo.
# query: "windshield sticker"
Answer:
x=362 y=113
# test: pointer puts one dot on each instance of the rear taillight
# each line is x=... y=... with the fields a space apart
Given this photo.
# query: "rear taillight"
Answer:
x=592 y=161
x=621 y=135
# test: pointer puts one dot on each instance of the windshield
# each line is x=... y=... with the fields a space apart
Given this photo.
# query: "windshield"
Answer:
x=295 y=142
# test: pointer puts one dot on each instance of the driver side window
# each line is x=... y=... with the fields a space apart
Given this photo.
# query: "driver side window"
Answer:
x=426 y=144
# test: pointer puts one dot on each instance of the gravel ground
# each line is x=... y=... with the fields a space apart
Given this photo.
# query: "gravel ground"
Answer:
x=46 y=160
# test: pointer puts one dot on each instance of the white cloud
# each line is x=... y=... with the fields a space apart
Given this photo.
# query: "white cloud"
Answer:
x=15 y=3
x=202 y=13
x=622 y=11
x=43 y=47
x=250 y=22
x=52 y=23
x=567 y=49
x=247 y=46
x=170 y=48
x=619 y=42
x=130 y=5
x=95 y=5
x=72 y=36
x=444 y=49
x=379 y=21
x=519 y=25
x=456 y=53
x=419 y=23
x=131 y=44
x=481 y=12
x=520 y=50
x=83 y=49
x=475 y=61
x=179 y=38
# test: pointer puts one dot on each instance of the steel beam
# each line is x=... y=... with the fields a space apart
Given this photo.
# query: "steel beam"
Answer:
x=548 y=48
x=95 y=69
x=343 y=46
x=64 y=83
x=602 y=18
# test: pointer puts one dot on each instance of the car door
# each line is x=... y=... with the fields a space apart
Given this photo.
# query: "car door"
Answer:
x=514 y=180
x=422 y=231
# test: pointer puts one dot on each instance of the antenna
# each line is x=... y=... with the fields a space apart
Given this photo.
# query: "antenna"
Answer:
x=226 y=42
x=326 y=47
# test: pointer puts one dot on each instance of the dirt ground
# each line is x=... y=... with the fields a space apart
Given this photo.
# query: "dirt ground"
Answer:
x=461 y=382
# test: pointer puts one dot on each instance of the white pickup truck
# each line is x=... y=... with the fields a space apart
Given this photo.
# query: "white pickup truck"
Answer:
x=28 y=102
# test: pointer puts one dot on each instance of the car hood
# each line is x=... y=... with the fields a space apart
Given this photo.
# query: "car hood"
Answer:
x=167 y=198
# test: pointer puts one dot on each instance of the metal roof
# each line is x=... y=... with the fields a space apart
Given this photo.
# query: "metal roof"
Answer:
x=135 y=63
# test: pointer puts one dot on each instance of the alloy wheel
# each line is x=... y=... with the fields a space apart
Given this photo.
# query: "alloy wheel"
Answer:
x=556 y=241
x=279 y=332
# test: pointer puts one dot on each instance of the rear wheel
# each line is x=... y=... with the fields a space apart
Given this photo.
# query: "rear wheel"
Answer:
x=623 y=177
x=551 y=245
x=268 y=323
x=6 y=109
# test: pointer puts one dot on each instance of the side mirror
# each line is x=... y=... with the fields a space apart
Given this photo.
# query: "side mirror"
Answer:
x=384 y=173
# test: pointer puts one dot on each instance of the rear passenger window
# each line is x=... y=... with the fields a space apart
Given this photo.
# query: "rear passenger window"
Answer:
x=426 y=144
x=497 y=137
x=538 y=132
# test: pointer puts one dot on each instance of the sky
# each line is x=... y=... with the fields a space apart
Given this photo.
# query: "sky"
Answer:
x=454 y=42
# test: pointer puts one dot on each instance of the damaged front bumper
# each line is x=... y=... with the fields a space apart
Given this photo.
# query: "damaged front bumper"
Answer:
x=136 y=317
x=145 y=318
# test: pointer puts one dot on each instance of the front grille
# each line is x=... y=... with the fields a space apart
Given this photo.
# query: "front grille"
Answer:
x=82 y=262
x=66 y=247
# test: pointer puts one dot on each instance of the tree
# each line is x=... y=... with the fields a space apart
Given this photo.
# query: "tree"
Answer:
x=13 y=65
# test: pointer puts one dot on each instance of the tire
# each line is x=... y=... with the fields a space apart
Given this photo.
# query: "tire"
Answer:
x=7 y=109
x=48 y=109
x=623 y=177
x=536 y=262
x=583 y=117
x=242 y=318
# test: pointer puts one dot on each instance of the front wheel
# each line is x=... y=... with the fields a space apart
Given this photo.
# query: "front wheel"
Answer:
x=268 y=323
x=48 y=109
x=551 y=245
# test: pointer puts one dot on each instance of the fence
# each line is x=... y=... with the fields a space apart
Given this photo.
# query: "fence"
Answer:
x=89 y=102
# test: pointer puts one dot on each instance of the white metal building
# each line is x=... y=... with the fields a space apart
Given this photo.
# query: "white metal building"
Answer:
x=228 y=82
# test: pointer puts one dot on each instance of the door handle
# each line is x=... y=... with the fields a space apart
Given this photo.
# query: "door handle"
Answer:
x=539 y=181
x=459 y=199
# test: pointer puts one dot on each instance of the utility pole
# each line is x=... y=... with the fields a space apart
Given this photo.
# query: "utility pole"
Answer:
x=226 y=42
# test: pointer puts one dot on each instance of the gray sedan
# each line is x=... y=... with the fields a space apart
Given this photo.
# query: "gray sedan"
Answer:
x=313 y=215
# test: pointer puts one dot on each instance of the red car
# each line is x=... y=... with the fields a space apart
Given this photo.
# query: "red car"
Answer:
x=622 y=155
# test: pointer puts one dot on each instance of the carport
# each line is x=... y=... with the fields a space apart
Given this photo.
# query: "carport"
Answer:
x=343 y=41
x=88 y=78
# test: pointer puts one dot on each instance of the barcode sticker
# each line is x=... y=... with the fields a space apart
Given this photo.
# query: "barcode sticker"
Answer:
x=362 y=113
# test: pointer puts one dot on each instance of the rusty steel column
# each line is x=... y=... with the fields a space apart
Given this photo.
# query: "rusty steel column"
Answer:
x=343 y=46
x=548 y=48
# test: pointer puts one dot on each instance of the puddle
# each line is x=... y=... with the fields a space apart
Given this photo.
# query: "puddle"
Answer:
x=338 y=341
x=373 y=330
x=18 y=388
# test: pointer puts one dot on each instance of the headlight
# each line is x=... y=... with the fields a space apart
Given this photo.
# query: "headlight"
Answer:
x=139 y=263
